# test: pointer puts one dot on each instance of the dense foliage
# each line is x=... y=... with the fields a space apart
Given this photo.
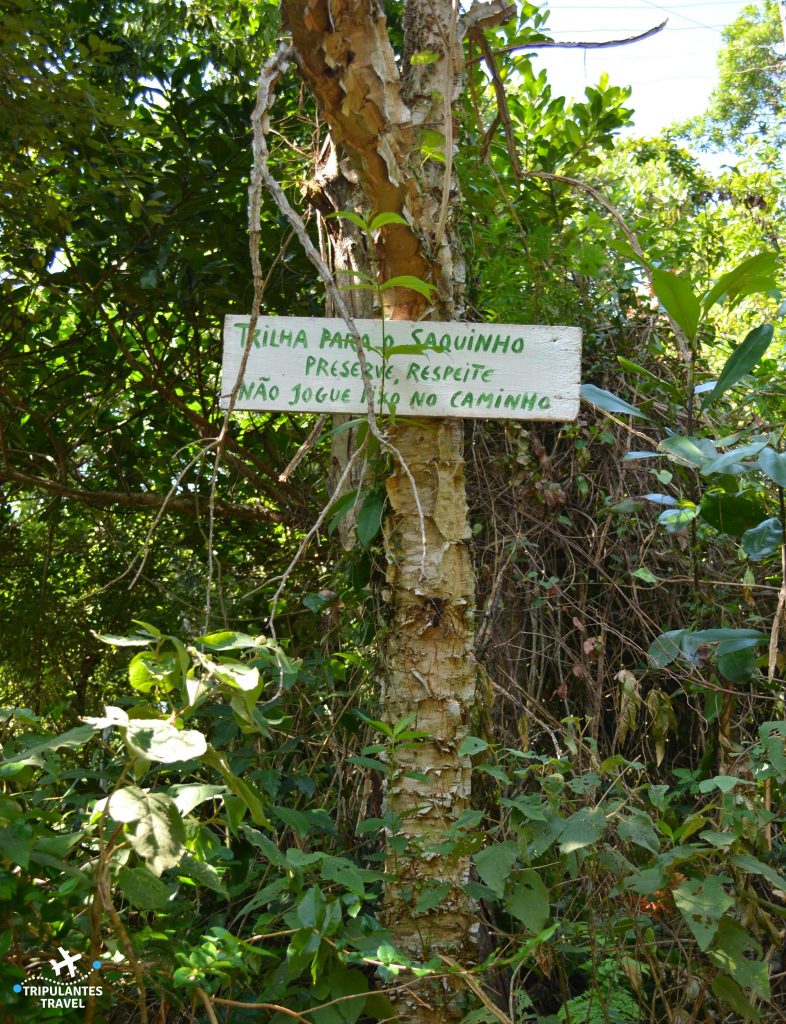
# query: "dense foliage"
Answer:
x=195 y=799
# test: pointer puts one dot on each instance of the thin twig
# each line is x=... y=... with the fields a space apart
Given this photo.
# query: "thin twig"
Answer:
x=262 y=174
x=553 y=44
x=307 y=445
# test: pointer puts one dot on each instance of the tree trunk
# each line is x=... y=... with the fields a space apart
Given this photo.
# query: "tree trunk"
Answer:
x=376 y=117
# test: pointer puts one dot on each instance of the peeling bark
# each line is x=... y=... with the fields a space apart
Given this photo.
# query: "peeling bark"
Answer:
x=376 y=117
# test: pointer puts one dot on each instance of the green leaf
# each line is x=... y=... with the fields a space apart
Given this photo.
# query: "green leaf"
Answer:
x=732 y=283
x=340 y=508
x=676 y=296
x=725 y=783
x=702 y=903
x=732 y=953
x=688 y=451
x=155 y=740
x=762 y=540
x=369 y=518
x=203 y=874
x=153 y=826
x=73 y=740
x=753 y=866
x=666 y=648
x=737 y=666
x=351 y=216
x=247 y=792
x=415 y=284
x=142 y=889
x=191 y=795
x=644 y=574
x=729 y=992
x=583 y=828
x=608 y=402
x=266 y=847
x=16 y=843
x=638 y=829
x=742 y=360
x=122 y=641
x=730 y=513
x=227 y=640
x=774 y=465
x=495 y=863
x=528 y=900
x=432 y=894
x=382 y=219
x=471 y=745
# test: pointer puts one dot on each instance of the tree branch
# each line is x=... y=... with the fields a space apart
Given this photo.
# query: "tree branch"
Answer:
x=553 y=44
x=139 y=500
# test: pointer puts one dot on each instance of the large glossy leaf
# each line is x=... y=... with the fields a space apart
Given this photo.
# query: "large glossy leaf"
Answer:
x=730 y=513
x=774 y=465
x=742 y=360
x=583 y=828
x=762 y=540
x=676 y=296
x=608 y=402
x=755 y=268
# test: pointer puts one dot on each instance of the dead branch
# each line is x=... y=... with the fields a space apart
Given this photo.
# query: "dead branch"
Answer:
x=553 y=44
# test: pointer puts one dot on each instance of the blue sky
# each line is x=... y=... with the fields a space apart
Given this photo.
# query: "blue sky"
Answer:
x=672 y=74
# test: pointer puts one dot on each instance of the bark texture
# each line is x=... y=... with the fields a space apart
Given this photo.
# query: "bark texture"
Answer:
x=377 y=115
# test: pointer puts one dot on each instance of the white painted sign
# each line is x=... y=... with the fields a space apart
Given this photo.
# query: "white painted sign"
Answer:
x=494 y=371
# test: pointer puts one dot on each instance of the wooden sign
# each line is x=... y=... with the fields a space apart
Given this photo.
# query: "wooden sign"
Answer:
x=494 y=371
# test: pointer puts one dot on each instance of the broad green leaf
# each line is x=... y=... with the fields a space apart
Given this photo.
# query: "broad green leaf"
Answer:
x=16 y=843
x=732 y=283
x=432 y=894
x=734 y=951
x=527 y=899
x=203 y=874
x=730 y=513
x=471 y=745
x=226 y=640
x=382 y=219
x=725 y=463
x=191 y=795
x=666 y=648
x=72 y=740
x=311 y=909
x=608 y=402
x=774 y=465
x=742 y=360
x=162 y=741
x=702 y=903
x=676 y=296
x=638 y=828
x=495 y=863
x=688 y=451
x=414 y=284
x=737 y=666
x=369 y=518
x=753 y=866
x=142 y=889
x=725 y=783
x=642 y=573
x=676 y=519
x=729 y=992
x=154 y=827
x=150 y=669
x=238 y=675
x=762 y=540
x=583 y=828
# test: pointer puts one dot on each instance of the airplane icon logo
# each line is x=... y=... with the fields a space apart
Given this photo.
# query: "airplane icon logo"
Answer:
x=67 y=961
